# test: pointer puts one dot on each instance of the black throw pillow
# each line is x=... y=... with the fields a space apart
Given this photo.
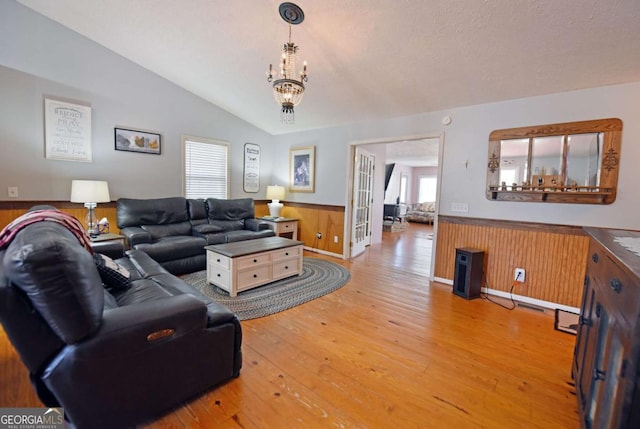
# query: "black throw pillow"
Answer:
x=113 y=275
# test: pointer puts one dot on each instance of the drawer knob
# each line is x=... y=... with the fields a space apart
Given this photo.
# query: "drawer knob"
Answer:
x=594 y=257
x=255 y=260
x=218 y=274
x=286 y=267
x=255 y=276
x=218 y=260
x=286 y=253
x=616 y=285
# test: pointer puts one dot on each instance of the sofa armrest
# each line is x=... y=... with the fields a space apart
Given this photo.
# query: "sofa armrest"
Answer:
x=126 y=330
x=135 y=235
x=255 y=224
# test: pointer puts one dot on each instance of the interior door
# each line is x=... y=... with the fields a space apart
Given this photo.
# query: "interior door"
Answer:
x=362 y=201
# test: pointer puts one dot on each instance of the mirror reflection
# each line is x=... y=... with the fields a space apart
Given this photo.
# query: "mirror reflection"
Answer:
x=583 y=159
x=573 y=162
x=546 y=161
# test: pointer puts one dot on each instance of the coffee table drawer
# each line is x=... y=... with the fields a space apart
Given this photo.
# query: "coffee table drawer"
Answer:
x=217 y=260
x=286 y=253
x=286 y=268
x=218 y=277
x=253 y=276
x=253 y=260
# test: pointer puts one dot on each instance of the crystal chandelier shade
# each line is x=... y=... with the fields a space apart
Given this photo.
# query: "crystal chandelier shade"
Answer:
x=289 y=89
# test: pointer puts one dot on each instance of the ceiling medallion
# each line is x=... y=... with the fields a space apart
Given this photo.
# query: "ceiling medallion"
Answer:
x=288 y=90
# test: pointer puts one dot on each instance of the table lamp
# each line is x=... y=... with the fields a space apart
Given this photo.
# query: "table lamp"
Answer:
x=275 y=193
x=90 y=192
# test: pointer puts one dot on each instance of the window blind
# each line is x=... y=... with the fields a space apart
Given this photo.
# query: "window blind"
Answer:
x=206 y=166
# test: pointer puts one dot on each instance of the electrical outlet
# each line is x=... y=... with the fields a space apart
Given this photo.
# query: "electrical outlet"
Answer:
x=12 y=191
x=335 y=239
x=460 y=207
x=519 y=275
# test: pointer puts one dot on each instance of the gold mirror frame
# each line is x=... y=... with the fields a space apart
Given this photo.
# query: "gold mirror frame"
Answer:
x=603 y=193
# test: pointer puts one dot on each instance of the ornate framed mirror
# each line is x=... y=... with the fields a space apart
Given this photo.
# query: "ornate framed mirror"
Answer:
x=573 y=162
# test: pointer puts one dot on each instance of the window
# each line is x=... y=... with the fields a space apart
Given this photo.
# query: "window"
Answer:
x=403 y=189
x=206 y=168
x=427 y=189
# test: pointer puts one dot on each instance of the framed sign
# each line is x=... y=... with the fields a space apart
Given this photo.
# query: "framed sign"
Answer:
x=302 y=169
x=137 y=141
x=251 y=168
x=67 y=131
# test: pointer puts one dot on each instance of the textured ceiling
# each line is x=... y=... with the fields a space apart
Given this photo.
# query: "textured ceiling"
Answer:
x=368 y=59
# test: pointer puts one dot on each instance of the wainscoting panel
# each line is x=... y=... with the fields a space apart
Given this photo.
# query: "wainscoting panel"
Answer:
x=11 y=210
x=554 y=256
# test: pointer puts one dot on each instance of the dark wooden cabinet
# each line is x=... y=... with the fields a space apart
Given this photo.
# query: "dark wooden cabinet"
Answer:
x=607 y=352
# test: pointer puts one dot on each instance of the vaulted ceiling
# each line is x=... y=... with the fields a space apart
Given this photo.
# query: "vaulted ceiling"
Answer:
x=368 y=59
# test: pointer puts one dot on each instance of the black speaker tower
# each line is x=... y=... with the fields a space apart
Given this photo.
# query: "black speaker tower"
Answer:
x=467 y=280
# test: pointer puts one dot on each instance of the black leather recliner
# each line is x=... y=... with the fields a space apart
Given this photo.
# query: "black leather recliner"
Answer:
x=111 y=358
x=161 y=228
x=174 y=231
x=236 y=220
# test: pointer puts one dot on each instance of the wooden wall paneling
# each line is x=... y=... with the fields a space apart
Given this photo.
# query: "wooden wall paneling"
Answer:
x=331 y=224
x=307 y=225
x=554 y=257
x=10 y=211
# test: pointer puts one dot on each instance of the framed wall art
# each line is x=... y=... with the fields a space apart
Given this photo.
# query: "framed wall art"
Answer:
x=302 y=169
x=67 y=134
x=251 y=181
x=137 y=141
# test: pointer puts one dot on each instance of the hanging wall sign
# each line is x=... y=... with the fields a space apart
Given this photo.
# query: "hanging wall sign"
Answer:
x=67 y=131
x=251 y=167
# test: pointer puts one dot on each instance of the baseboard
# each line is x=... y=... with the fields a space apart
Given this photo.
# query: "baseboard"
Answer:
x=323 y=252
x=519 y=298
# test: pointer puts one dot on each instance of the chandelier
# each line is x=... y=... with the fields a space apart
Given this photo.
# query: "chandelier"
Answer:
x=288 y=90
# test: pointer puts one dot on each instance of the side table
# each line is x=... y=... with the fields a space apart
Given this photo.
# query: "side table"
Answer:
x=283 y=226
x=108 y=244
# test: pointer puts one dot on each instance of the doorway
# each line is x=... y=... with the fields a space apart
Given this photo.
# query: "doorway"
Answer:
x=427 y=148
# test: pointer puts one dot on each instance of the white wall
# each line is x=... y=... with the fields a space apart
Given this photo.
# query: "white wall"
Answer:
x=39 y=58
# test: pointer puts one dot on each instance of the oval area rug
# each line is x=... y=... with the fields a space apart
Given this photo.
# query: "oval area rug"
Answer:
x=318 y=278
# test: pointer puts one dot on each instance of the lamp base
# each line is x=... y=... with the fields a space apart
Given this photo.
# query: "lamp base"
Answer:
x=92 y=225
x=274 y=208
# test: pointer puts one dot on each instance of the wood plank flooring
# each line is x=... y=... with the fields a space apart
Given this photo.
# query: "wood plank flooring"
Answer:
x=388 y=350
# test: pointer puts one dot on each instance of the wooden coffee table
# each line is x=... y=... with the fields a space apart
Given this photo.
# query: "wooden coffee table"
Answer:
x=243 y=265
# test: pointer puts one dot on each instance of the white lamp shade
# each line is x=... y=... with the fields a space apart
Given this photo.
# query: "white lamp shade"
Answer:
x=275 y=192
x=89 y=191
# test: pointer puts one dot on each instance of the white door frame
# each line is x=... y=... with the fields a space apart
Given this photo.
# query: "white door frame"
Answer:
x=350 y=165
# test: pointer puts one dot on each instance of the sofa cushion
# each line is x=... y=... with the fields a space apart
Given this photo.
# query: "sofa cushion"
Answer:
x=170 y=248
x=228 y=225
x=156 y=211
x=207 y=228
x=48 y=263
x=142 y=290
x=167 y=230
x=197 y=211
x=233 y=236
x=113 y=275
x=240 y=208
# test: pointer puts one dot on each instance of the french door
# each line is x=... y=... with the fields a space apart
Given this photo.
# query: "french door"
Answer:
x=362 y=201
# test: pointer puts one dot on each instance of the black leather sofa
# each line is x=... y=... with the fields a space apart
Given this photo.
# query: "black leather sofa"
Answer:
x=112 y=358
x=174 y=231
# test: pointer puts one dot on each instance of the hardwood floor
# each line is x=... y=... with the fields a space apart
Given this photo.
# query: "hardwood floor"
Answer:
x=388 y=350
